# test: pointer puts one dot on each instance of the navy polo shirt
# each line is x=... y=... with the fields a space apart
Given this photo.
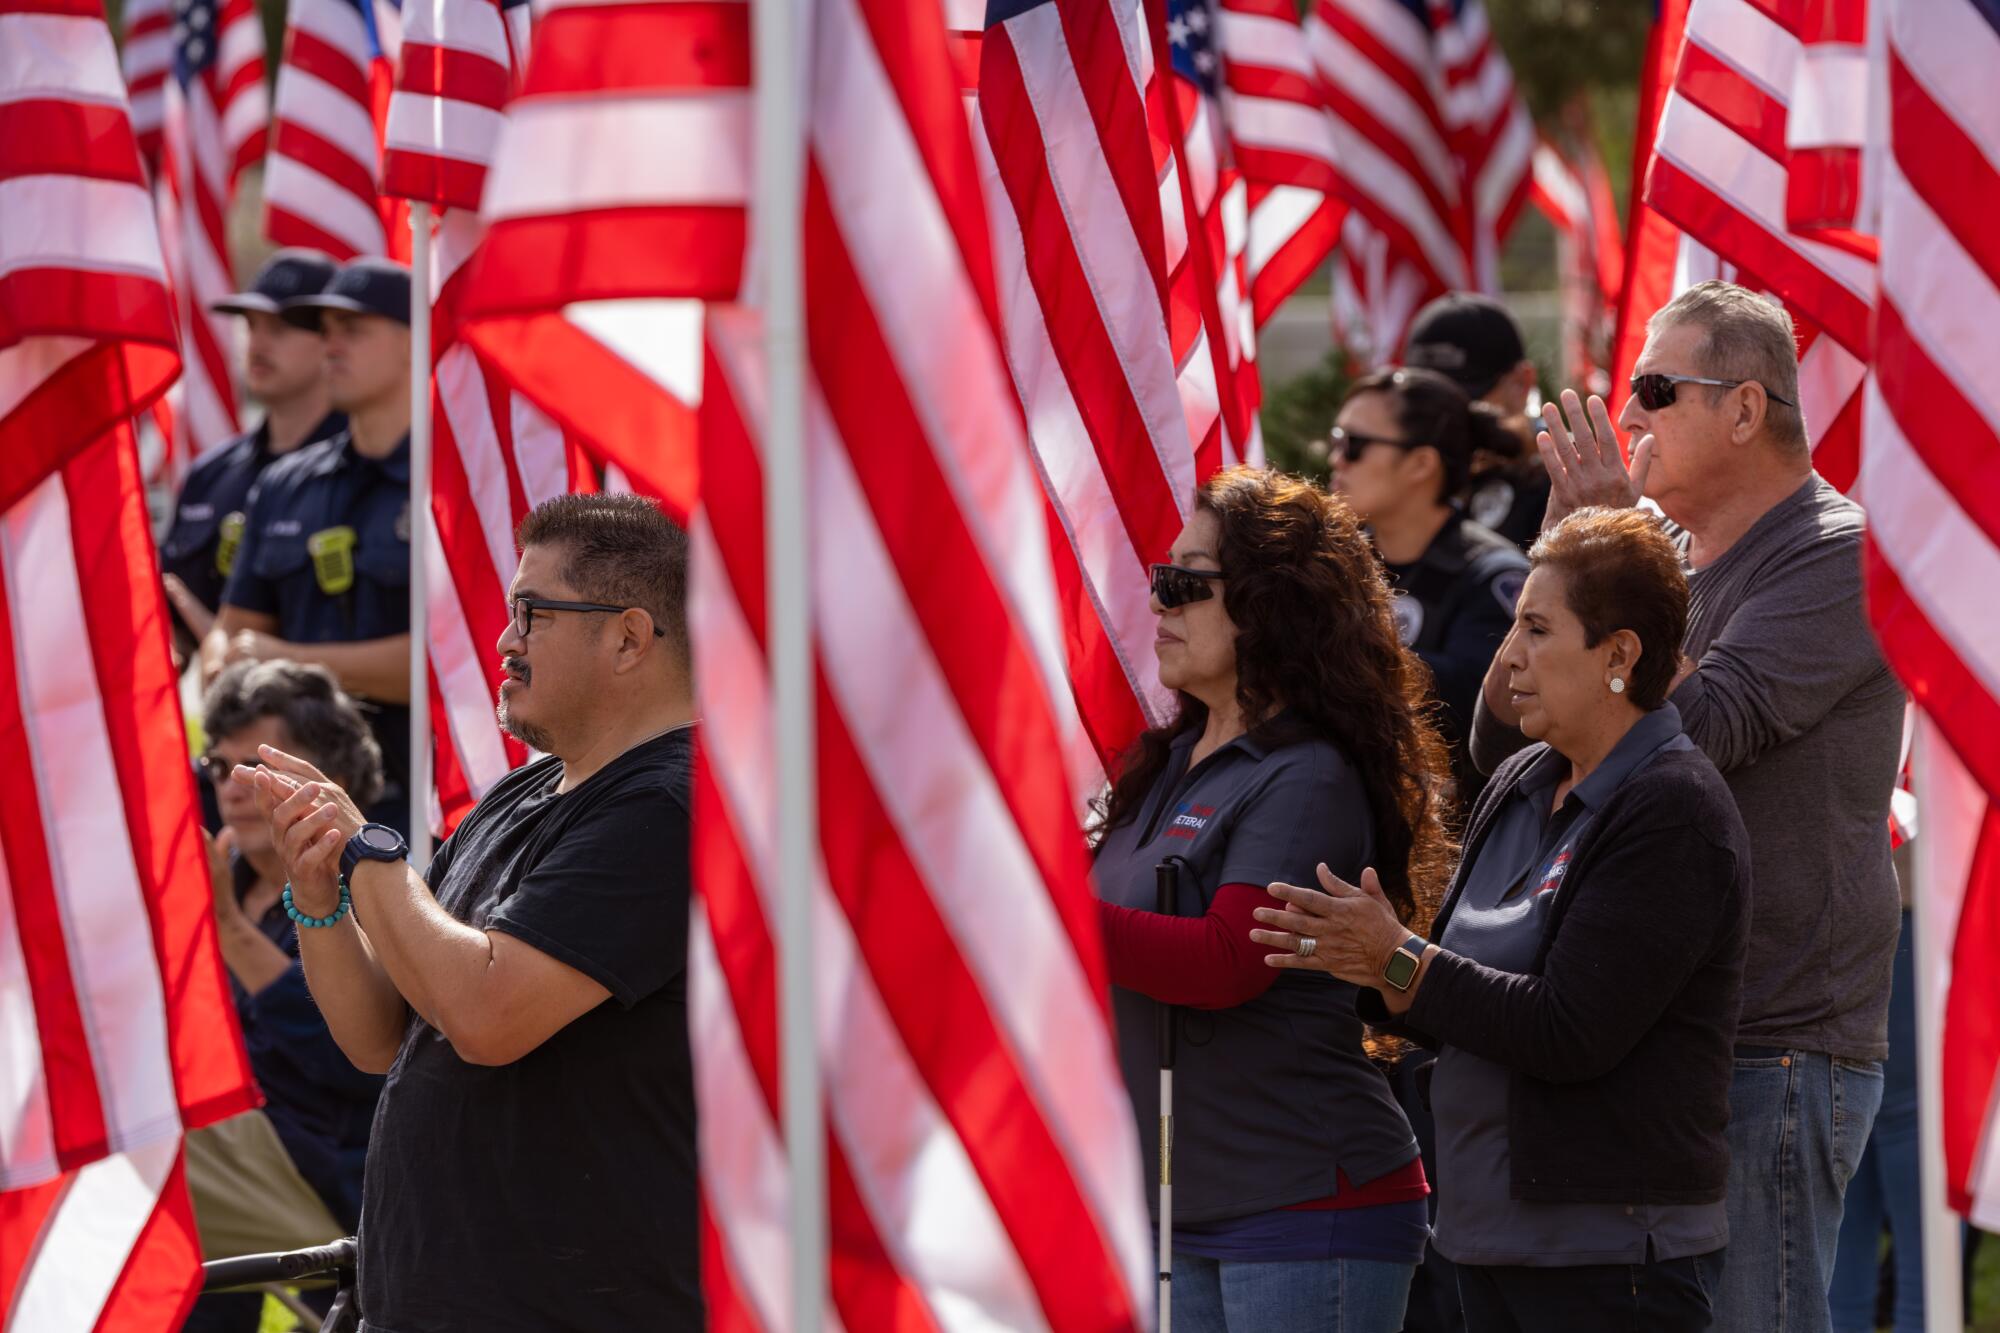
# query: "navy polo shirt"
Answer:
x=214 y=504
x=326 y=550
x=1499 y=921
x=1275 y=1097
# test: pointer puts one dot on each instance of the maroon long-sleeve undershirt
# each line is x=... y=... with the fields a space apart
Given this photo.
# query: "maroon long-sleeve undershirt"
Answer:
x=1204 y=962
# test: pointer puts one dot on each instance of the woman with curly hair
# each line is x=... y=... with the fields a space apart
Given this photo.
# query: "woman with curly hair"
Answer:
x=1300 y=738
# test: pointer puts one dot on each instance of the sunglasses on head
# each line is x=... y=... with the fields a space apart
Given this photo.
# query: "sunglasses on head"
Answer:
x=1657 y=391
x=1351 y=444
x=1176 y=585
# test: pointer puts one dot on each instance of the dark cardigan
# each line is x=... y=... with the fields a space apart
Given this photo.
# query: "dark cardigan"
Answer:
x=1619 y=1041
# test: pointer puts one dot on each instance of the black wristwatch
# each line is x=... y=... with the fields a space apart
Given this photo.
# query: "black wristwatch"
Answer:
x=375 y=842
x=1401 y=969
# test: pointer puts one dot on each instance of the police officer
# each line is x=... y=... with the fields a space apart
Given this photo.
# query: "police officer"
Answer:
x=323 y=573
x=284 y=368
x=1475 y=342
x=1402 y=446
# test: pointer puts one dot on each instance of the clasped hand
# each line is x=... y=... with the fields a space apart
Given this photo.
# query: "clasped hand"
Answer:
x=1356 y=928
x=311 y=820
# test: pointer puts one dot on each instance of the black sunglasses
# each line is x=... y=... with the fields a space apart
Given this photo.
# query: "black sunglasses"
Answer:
x=217 y=769
x=526 y=607
x=1657 y=391
x=1176 y=585
x=1351 y=444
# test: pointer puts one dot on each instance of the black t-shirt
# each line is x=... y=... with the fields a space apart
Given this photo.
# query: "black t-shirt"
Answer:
x=557 y=1192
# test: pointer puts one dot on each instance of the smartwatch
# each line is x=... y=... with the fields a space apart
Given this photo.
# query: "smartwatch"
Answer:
x=374 y=842
x=1401 y=969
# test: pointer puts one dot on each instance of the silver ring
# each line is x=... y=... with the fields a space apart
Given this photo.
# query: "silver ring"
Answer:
x=1306 y=945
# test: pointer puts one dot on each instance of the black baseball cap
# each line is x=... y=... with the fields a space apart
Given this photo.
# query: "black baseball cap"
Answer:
x=371 y=286
x=1471 y=339
x=286 y=275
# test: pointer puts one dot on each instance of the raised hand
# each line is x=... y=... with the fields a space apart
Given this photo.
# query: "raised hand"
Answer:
x=1579 y=448
x=1354 y=929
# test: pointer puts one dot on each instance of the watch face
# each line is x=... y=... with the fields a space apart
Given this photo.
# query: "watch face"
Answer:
x=380 y=839
x=1401 y=969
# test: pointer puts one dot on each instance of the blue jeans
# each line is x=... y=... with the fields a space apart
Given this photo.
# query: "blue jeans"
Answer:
x=1338 y=1295
x=1798 y=1121
x=1887 y=1190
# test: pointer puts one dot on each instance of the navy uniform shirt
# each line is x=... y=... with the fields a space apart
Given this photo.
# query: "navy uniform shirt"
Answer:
x=1454 y=604
x=1273 y=1098
x=326 y=550
x=207 y=530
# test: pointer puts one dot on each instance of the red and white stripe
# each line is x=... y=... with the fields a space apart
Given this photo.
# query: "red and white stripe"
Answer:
x=1932 y=452
x=1283 y=137
x=326 y=135
x=1721 y=169
x=460 y=62
x=980 y=1145
x=1082 y=240
x=117 y=1031
x=1435 y=151
x=1826 y=123
x=148 y=56
x=213 y=126
x=86 y=324
x=1717 y=184
x=494 y=456
x=599 y=246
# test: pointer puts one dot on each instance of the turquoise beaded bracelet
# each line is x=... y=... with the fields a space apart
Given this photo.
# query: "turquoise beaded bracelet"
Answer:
x=331 y=919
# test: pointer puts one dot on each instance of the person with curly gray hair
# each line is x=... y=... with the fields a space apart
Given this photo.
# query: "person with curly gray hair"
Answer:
x=288 y=1175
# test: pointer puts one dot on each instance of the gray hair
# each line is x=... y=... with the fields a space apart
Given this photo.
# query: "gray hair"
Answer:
x=1746 y=337
x=318 y=715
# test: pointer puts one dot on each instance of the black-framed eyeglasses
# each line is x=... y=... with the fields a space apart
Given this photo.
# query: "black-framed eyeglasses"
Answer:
x=1351 y=444
x=526 y=607
x=1176 y=585
x=1657 y=391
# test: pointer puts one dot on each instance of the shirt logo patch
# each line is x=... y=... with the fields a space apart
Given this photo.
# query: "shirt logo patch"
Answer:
x=1189 y=819
x=1557 y=869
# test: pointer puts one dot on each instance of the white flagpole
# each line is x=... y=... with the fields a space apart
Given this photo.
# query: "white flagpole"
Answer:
x=420 y=534
x=1939 y=832
x=777 y=214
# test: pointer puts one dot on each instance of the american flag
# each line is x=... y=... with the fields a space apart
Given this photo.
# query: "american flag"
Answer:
x=115 y=1013
x=1215 y=197
x=599 y=247
x=148 y=54
x=981 y=1159
x=1083 y=228
x=1275 y=108
x=213 y=126
x=1434 y=147
x=326 y=135
x=1721 y=172
x=1931 y=453
x=494 y=456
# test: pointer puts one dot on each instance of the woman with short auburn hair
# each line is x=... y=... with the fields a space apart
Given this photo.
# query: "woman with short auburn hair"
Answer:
x=1584 y=982
x=1299 y=738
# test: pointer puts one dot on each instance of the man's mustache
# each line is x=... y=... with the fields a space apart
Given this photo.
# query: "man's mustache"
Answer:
x=515 y=669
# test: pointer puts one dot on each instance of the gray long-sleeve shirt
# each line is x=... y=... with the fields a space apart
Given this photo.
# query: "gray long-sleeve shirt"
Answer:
x=1793 y=702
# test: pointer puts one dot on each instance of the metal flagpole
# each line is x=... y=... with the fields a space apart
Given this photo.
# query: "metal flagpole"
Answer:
x=1938 y=828
x=777 y=210
x=420 y=534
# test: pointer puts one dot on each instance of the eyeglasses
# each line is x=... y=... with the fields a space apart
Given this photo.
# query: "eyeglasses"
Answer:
x=526 y=607
x=1176 y=586
x=217 y=768
x=1657 y=391
x=1351 y=444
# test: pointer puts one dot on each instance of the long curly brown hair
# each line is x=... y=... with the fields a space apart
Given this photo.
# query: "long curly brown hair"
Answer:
x=1318 y=656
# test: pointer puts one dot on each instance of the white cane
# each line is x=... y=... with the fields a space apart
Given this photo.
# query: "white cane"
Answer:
x=1166 y=883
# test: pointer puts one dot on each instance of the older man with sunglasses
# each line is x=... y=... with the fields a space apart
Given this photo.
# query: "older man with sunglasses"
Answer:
x=1783 y=686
